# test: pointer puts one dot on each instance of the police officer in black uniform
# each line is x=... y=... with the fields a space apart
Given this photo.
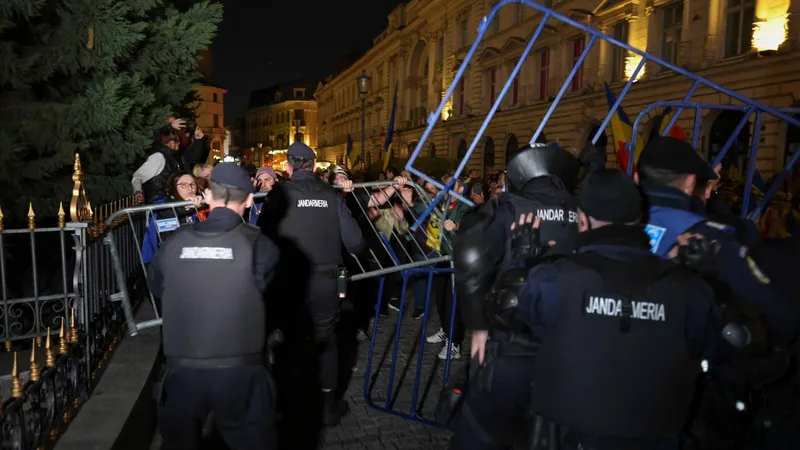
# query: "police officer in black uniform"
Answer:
x=668 y=171
x=541 y=178
x=622 y=331
x=309 y=221
x=211 y=276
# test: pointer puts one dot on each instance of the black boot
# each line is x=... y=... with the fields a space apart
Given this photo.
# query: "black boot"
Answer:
x=334 y=409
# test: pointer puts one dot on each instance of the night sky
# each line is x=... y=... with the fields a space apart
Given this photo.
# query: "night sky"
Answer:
x=263 y=42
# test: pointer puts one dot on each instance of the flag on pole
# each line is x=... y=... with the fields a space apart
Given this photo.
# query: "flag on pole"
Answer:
x=387 y=144
x=662 y=121
x=351 y=161
x=622 y=130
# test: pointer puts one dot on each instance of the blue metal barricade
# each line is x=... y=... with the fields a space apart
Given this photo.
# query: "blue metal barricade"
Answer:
x=748 y=105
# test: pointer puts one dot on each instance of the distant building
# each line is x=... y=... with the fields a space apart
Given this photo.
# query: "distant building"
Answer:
x=745 y=45
x=209 y=110
x=277 y=117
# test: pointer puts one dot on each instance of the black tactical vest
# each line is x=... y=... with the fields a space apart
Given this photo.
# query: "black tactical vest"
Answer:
x=617 y=363
x=558 y=210
x=156 y=187
x=312 y=222
x=211 y=305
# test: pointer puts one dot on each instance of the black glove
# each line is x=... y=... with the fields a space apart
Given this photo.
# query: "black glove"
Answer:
x=592 y=159
x=526 y=244
x=700 y=255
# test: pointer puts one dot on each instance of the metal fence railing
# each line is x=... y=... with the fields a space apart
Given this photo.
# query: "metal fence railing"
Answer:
x=58 y=320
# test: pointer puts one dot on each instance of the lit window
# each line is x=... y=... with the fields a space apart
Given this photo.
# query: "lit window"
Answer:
x=738 y=26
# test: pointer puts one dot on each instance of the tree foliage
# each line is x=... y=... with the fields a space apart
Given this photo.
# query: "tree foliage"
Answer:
x=94 y=77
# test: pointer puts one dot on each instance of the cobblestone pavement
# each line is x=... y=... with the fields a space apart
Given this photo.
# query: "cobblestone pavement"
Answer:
x=366 y=427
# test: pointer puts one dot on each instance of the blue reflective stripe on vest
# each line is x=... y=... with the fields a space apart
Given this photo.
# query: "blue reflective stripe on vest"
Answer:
x=666 y=224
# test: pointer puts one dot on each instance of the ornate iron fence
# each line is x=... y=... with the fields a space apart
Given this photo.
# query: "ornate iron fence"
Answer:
x=59 y=310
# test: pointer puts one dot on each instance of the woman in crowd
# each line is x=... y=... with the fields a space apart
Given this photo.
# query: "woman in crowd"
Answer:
x=181 y=186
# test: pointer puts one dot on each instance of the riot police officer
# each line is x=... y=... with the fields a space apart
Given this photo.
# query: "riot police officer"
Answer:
x=211 y=276
x=541 y=178
x=309 y=220
x=622 y=331
x=668 y=172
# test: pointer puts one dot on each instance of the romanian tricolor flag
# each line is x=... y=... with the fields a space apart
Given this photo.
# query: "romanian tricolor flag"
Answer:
x=622 y=131
x=387 y=143
x=352 y=160
x=663 y=120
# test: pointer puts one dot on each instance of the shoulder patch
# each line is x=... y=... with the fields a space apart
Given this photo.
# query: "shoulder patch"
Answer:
x=655 y=233
x=717 y=225
x=756 y=271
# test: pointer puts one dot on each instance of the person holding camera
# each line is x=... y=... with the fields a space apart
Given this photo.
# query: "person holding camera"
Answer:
x=167 y=157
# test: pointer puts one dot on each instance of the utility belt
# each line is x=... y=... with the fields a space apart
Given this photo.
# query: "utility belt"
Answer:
x=254 y=359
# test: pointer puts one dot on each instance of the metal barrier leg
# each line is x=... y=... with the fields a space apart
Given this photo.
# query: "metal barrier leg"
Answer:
x=123 y=284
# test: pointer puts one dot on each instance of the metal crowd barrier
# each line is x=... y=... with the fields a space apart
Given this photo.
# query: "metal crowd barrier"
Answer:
x=412 y=258
x=148 y=214
x=749 y=106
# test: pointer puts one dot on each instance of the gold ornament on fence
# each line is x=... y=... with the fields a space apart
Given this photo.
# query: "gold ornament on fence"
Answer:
x=79 y=208
x=62 y=338
x=73 y=329
x=16 y=383
x=31 y=217
x=50 y=357
x=34 y=369
x=62 y=217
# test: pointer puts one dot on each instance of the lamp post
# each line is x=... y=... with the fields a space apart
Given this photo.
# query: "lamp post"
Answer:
x=363 y=90
x=296 y=123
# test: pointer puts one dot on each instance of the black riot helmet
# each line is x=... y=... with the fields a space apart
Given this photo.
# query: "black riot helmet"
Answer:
x=541 y=160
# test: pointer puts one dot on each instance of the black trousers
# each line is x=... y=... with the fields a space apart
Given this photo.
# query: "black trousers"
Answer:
x=325 y=308
x=242 y=400
x=494 y=414
x=443 y=289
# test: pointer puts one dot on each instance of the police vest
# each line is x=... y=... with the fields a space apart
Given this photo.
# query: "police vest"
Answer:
x=312 y=222
x=211 y=305
x=558 y=212
x=616 y=362
x=156 y=187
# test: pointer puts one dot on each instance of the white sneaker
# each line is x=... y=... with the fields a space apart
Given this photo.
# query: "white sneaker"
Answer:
x=455 y=352
x=436 y=338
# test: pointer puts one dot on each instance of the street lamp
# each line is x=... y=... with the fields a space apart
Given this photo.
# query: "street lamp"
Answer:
x=363 y=90
x=296 y=123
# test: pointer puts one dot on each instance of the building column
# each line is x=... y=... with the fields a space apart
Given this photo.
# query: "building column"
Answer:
x=710 y=42
x=433 y=98
x=684 y=48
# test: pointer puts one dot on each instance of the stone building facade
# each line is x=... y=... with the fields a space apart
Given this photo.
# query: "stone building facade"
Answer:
x=749 y=46
x=278 y=116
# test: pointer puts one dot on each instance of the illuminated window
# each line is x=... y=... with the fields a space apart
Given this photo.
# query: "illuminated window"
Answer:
x=544 y=73
x=577 y=49
x=738 y=26
x=618 y=53
x=671 y=19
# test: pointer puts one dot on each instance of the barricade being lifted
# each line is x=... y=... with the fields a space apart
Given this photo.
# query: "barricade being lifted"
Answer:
x=749 y=106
